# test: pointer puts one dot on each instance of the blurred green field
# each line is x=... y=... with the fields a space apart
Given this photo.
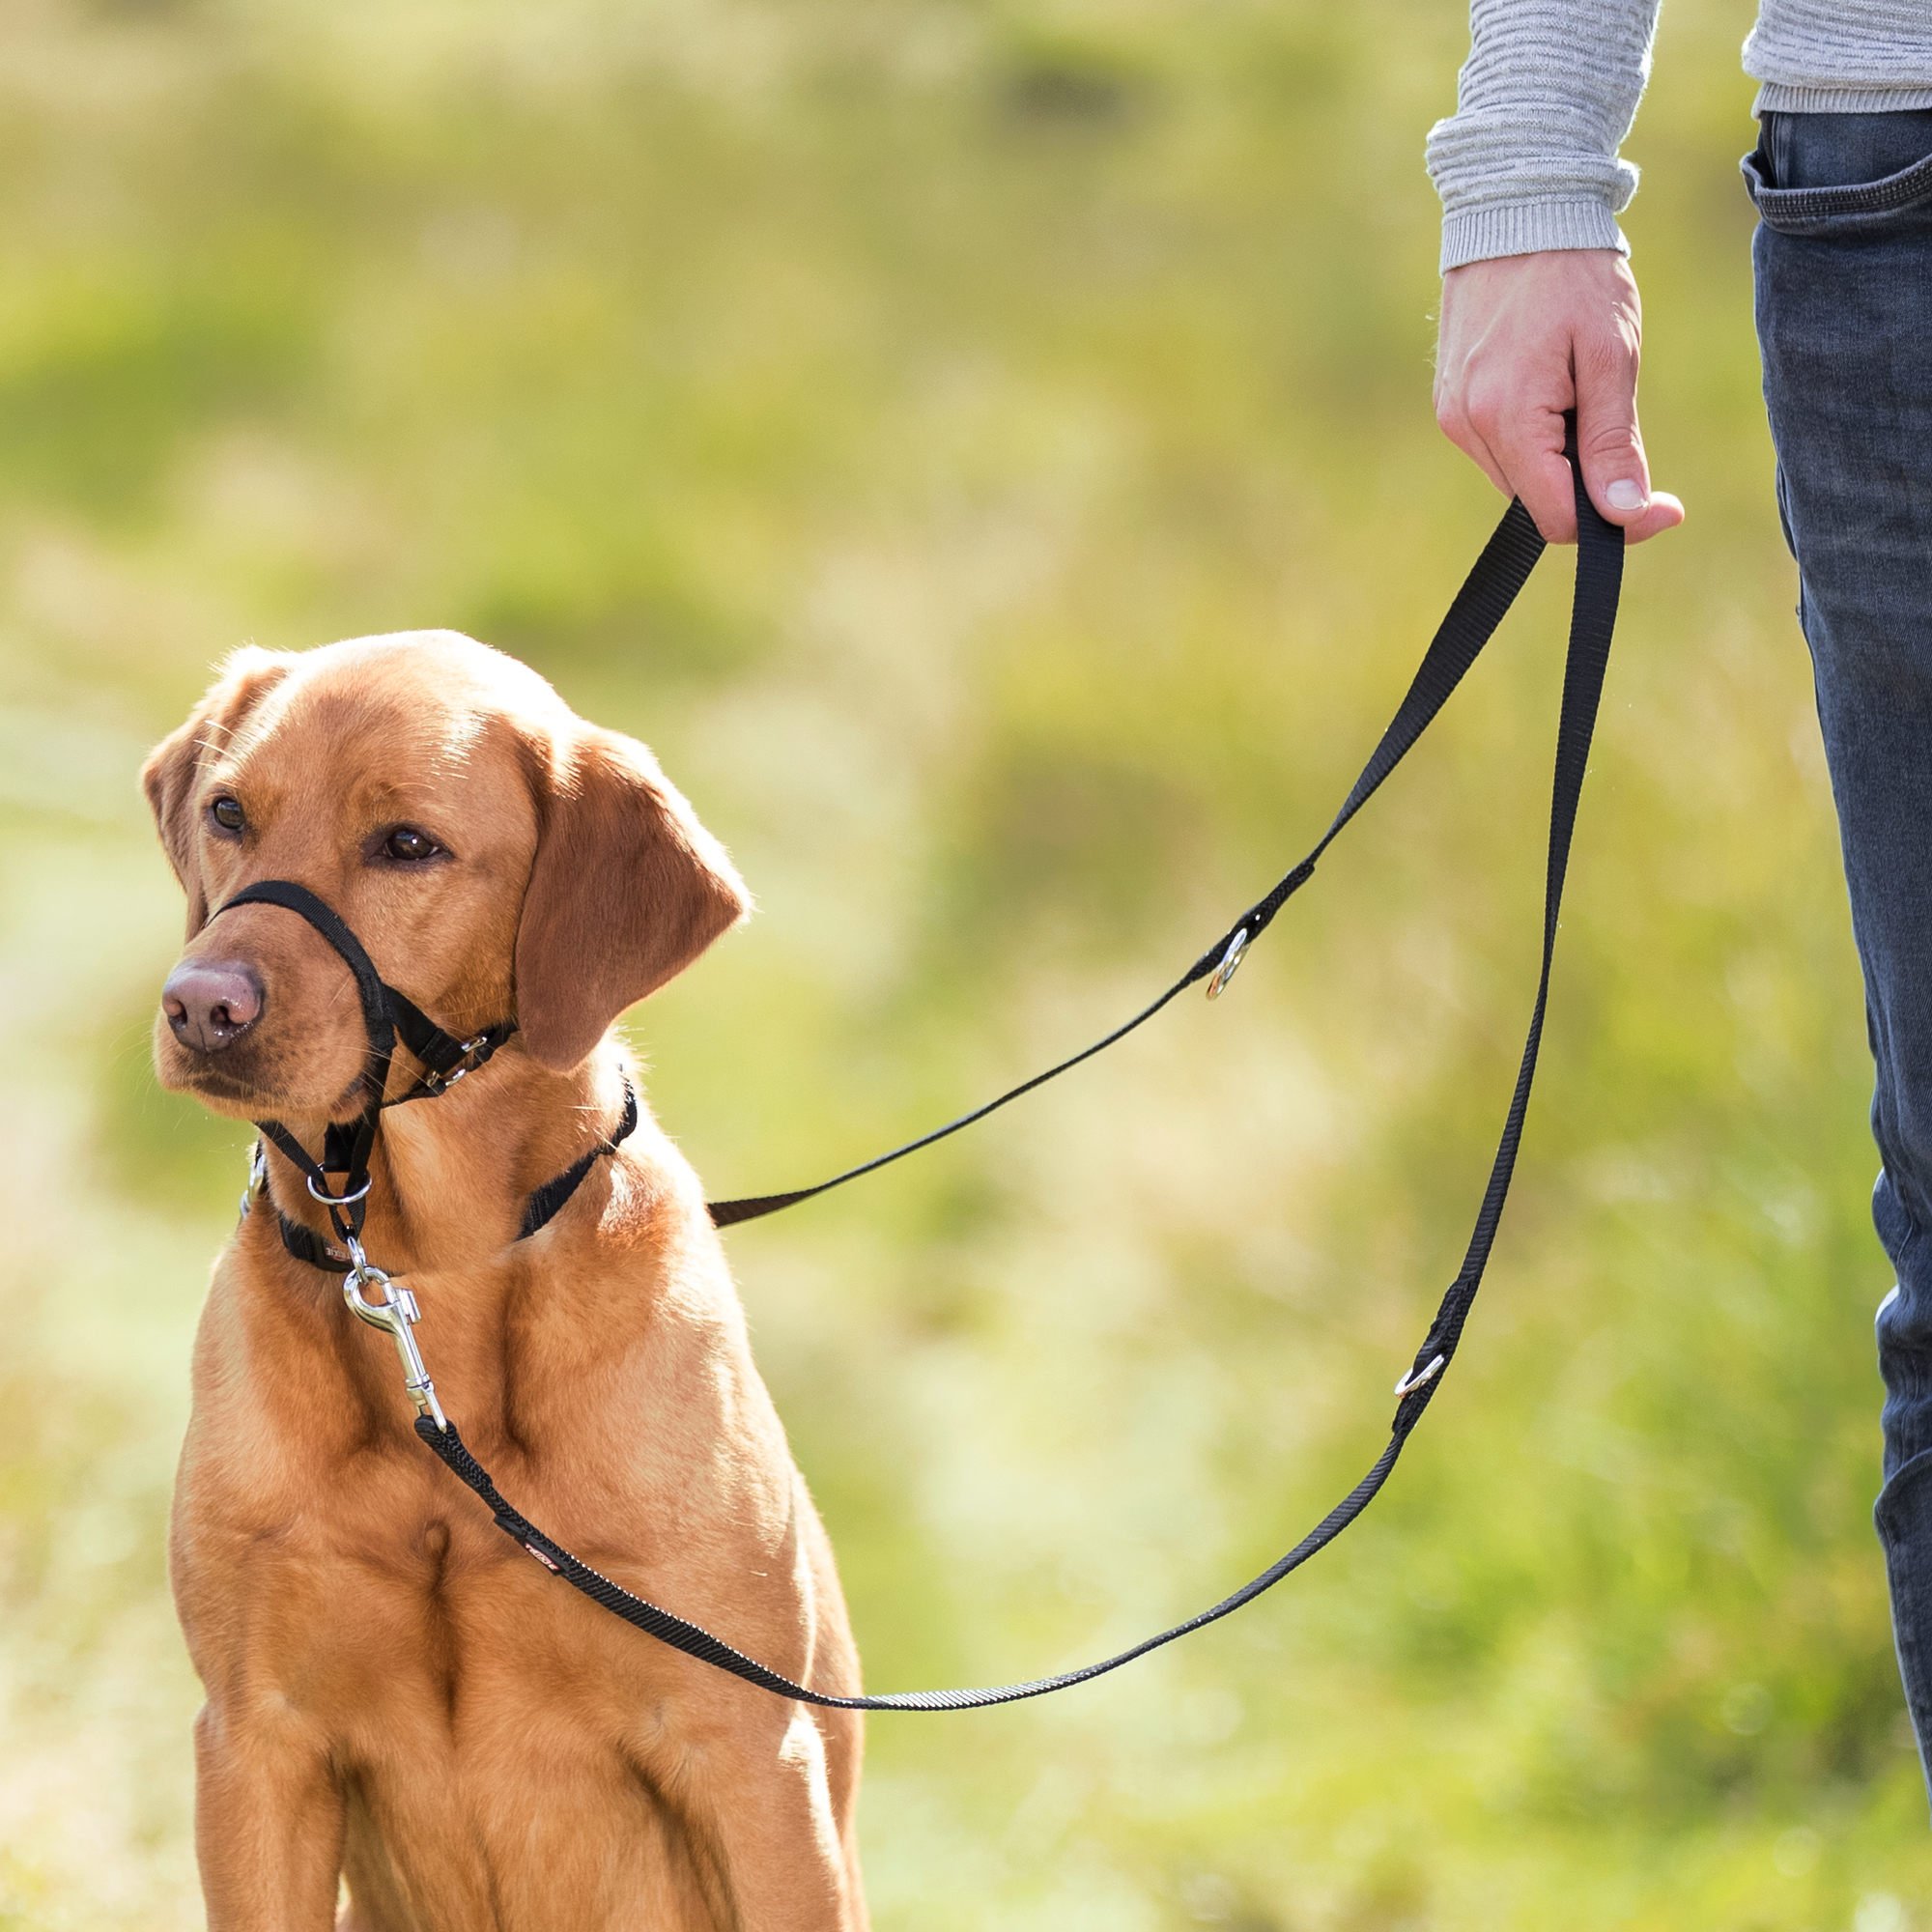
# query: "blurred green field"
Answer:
x=987 y=450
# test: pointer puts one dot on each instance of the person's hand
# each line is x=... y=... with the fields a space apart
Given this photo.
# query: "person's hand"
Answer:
x=1525 y=337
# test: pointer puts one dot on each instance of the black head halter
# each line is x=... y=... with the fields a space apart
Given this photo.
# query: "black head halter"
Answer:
x=388 y=1015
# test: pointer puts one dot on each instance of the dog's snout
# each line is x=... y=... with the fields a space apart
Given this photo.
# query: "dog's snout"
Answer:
x=210 y=1004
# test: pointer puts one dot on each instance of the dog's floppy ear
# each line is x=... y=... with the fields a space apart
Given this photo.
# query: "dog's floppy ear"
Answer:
x=168 y=777
x=626 y=891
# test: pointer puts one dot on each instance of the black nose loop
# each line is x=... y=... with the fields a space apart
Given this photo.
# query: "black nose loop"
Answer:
x=378 y=1019
x=345 y=1151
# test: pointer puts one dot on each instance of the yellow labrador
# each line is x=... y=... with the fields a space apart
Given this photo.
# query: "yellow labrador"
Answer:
x=396 y=1697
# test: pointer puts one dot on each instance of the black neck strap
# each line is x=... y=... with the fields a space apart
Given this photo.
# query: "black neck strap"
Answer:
x=540 y=1208
x=1491 y=587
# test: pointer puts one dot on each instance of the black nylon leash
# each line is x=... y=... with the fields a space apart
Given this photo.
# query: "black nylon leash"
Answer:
x=1491 y=589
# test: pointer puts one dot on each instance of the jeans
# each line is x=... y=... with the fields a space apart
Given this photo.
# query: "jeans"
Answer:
x=1843 y=259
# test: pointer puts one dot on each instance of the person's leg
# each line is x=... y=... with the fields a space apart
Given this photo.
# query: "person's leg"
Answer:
x=1844 y=305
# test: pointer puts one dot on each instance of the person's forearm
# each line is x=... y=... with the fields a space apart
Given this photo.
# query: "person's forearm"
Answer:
x=1528 y=161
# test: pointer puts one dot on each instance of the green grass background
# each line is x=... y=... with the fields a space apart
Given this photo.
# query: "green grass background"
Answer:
x=987 y=450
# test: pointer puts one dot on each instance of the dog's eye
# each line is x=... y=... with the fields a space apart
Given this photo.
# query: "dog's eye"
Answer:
x=227 y=814
x=408 y=846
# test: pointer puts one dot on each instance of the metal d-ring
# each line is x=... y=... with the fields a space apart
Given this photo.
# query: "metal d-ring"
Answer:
x=1230 y=962
x=340 y=1200
x=1416 y=1378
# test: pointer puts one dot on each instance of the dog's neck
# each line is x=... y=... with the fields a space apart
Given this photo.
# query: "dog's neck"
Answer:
x=449 y=1177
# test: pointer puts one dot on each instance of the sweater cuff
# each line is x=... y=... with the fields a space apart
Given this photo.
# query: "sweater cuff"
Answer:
x=1527 y=228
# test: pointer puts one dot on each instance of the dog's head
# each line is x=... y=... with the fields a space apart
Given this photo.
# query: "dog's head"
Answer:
x=496 y=856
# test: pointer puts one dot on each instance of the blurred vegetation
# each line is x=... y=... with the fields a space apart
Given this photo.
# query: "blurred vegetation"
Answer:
x=987 y=450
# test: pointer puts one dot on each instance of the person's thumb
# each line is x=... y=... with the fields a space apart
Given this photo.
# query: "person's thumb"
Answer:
x=1607 y=438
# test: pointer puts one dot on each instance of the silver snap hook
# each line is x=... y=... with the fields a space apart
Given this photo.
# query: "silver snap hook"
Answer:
x=396 y=1315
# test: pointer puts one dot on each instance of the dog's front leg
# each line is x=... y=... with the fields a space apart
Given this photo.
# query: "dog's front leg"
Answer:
x=268 y=1824
x=780 y=1828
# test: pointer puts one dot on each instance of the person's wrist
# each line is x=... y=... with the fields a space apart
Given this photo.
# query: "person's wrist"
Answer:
x=1545 y=225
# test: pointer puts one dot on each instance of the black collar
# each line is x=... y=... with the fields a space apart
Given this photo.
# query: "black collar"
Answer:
x=540 y=1208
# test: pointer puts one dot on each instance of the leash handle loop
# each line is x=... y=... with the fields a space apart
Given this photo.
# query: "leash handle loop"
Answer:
x=1593 y=618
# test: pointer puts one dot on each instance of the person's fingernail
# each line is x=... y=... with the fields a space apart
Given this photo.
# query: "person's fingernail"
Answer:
x=1626 y=494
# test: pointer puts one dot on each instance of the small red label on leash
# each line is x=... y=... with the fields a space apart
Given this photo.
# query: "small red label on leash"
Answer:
x=543 y=1559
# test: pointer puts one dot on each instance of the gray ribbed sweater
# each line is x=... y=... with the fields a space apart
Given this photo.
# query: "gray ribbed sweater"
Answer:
x=1529 y=158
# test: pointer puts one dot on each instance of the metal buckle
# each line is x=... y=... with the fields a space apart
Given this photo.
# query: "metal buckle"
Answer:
x=395 y=1315
x=1415 y=1378
x=1230 y=961
x=339 y=1200
x=441 y=1082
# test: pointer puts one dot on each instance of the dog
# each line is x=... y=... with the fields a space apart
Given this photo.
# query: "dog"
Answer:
x=397 y=1700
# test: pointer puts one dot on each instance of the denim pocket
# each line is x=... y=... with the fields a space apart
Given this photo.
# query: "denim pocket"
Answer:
x=1828 y=146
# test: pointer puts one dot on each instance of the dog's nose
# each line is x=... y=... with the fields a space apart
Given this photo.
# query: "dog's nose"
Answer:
x=210 y=1005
